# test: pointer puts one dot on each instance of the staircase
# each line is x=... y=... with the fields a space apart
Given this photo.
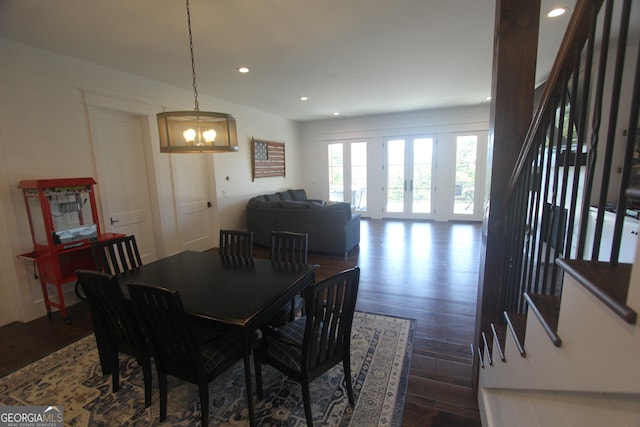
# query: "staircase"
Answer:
x=563 y=346
x=572 y=360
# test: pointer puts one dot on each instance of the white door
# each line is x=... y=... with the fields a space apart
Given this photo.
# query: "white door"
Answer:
x=123 y=184
x=409 y=166
x=193 y=184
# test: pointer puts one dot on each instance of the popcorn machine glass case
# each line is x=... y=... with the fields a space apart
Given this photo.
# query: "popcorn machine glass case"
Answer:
x=64 y=224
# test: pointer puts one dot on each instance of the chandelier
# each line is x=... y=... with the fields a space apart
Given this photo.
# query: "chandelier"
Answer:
x=196 y=131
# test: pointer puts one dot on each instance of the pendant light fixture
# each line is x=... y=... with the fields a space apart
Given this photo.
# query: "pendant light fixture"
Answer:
x=196 y=131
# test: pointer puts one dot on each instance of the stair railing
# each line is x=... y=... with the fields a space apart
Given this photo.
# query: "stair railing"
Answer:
x=580 y=156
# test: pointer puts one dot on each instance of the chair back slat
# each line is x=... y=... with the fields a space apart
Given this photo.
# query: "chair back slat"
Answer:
x=117 y=256
x=236 y=243
x=287 y=246
x=329 y=306
x=175 y=348
x=112 y=311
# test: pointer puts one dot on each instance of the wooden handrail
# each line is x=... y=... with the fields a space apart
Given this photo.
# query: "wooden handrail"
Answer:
x=574 y=39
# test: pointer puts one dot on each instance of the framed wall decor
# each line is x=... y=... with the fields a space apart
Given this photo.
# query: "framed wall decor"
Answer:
x=268 y=158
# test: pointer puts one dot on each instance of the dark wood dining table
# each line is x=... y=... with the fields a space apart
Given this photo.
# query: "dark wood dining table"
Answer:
x=233 y=295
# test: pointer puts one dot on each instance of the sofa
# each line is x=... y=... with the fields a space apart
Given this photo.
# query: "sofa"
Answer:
x=332 y=227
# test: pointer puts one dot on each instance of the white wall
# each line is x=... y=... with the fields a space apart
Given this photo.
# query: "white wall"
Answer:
x=44 y=133
x=441 y=123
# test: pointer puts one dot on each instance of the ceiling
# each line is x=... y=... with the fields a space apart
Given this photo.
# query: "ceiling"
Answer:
x=355 y=57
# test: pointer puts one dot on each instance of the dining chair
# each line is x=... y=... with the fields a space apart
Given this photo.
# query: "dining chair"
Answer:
x=311 y=345
x=114 y=256
x=116 y=328
x=117 y=256
x=178 y=351
x=236 y=243
x=287 y=246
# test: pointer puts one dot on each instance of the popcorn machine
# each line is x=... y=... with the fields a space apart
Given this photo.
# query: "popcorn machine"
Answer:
x=64 y=224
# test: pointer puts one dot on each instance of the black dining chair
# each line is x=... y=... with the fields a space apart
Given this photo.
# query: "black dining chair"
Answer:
x=311 y=345
x=114 y=256
x=287 y=246
x=116 y=328
x=117 y=256
x=177 y=350
x=236 y=243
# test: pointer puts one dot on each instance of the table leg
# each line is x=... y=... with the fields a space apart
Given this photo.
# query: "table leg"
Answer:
x=247 y=374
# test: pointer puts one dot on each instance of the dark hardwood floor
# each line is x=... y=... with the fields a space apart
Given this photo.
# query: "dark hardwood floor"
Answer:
x=427 y=271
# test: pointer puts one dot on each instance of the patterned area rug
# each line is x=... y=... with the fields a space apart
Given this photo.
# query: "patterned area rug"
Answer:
x=72 y=378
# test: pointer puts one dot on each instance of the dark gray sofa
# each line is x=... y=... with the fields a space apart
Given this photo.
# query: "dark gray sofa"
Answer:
x=332 y=228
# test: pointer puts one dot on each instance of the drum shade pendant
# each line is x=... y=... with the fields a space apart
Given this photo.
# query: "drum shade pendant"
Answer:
x=196 y=131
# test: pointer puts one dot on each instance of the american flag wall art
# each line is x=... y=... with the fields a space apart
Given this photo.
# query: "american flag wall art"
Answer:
x=268 y=158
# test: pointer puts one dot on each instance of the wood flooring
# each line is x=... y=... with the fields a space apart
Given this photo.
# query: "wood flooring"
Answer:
x=423 y=270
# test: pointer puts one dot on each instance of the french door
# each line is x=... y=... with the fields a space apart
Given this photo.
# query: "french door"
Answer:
x=409 y=177
x=466 y=202
x=348 y=174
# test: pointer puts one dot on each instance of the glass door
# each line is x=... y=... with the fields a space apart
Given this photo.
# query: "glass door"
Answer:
x=348 y=174
x=409 y=167
x=465 y=175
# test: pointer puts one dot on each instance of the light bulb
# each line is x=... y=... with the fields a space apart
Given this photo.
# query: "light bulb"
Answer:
x=189 y=135
x=556 y=12
x=209 y=136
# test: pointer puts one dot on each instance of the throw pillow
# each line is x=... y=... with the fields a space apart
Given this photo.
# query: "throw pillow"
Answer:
x=284 y=195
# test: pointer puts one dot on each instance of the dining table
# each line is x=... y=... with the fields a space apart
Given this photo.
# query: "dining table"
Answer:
x=229 y=294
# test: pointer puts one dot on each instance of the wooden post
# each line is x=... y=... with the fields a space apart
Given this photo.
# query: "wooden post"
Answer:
x=512 y=94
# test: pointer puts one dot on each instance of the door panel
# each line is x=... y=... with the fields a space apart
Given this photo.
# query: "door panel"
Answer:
x=421 y=180
x=122 y=177
x=192 y=178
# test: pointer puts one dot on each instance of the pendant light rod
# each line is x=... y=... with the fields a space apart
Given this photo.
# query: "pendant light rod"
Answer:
x=193 y=61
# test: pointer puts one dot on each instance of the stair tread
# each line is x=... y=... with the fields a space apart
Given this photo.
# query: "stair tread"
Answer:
x=609 y=283
x=547 y=309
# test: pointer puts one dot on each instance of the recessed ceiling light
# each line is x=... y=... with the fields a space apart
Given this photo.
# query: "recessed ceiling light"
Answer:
x=488 y=98
x=304 y=98
x=243 y=70
x=336 y=113
x=557 y=12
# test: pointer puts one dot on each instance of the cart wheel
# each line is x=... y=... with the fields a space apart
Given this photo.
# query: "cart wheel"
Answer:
x=67 y=320
x=79 y=292
x=49 y=315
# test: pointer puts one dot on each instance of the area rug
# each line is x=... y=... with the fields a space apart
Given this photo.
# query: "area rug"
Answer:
x=72 y=378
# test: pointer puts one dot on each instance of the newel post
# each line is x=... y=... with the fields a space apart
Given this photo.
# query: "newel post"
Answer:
x=512 y=94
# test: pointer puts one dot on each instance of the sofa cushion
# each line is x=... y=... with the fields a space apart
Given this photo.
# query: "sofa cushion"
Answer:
x=292 y=204
x=257 y=201
x=298 y=195
x=284 y=195
x=272 y=197
x=344 y=206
